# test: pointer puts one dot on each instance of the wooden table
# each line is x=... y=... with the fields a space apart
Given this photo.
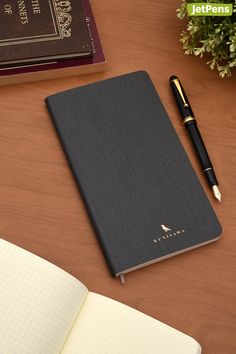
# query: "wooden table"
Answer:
x=41 y=208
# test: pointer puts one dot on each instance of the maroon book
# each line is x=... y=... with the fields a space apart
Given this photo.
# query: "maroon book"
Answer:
x=63 y=68
x=45 y=30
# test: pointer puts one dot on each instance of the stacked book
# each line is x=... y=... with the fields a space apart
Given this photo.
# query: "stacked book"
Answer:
x=42 y=39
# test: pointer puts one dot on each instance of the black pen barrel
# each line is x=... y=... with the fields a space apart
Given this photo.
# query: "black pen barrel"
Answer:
x=201 y=152
x=191 y=125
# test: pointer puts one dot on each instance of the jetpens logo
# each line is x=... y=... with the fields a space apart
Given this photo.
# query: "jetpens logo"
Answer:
x=168 y=234
x=209 y=9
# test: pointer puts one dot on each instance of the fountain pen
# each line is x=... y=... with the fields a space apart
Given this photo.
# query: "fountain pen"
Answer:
x=190 y=124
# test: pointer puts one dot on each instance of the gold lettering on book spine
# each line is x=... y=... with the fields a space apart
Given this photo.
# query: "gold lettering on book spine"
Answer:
x=64 y=18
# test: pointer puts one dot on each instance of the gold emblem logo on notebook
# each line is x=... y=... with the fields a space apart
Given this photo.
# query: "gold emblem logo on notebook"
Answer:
x=165 y=228
x=169 y=233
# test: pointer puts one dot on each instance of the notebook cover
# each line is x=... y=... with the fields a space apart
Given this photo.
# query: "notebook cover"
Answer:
x=43 y=31
x=142 y=194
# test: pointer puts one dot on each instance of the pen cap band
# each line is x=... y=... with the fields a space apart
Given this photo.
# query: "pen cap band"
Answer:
x=188 y=119
x=181 y=98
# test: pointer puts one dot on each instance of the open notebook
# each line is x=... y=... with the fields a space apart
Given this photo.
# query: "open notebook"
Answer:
x=44 y=310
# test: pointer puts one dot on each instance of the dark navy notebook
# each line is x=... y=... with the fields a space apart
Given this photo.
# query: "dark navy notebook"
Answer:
x=141 y=192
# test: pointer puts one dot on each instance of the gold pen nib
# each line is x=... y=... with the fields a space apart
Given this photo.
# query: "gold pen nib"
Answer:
x=216 y=192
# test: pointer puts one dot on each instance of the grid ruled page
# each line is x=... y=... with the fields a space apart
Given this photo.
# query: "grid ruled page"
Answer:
x=39 y=303
x=105 y=326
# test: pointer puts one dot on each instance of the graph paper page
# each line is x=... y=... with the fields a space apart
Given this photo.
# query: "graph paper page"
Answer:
x=39 y=303
x=105 y=326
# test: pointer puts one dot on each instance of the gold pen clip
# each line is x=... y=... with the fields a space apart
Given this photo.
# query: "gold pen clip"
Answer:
x=177 y=84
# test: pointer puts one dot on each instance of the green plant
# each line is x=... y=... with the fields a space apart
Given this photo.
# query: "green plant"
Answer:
x=211 y=36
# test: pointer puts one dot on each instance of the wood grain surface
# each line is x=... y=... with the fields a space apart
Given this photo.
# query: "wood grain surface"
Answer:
x=41 y=208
